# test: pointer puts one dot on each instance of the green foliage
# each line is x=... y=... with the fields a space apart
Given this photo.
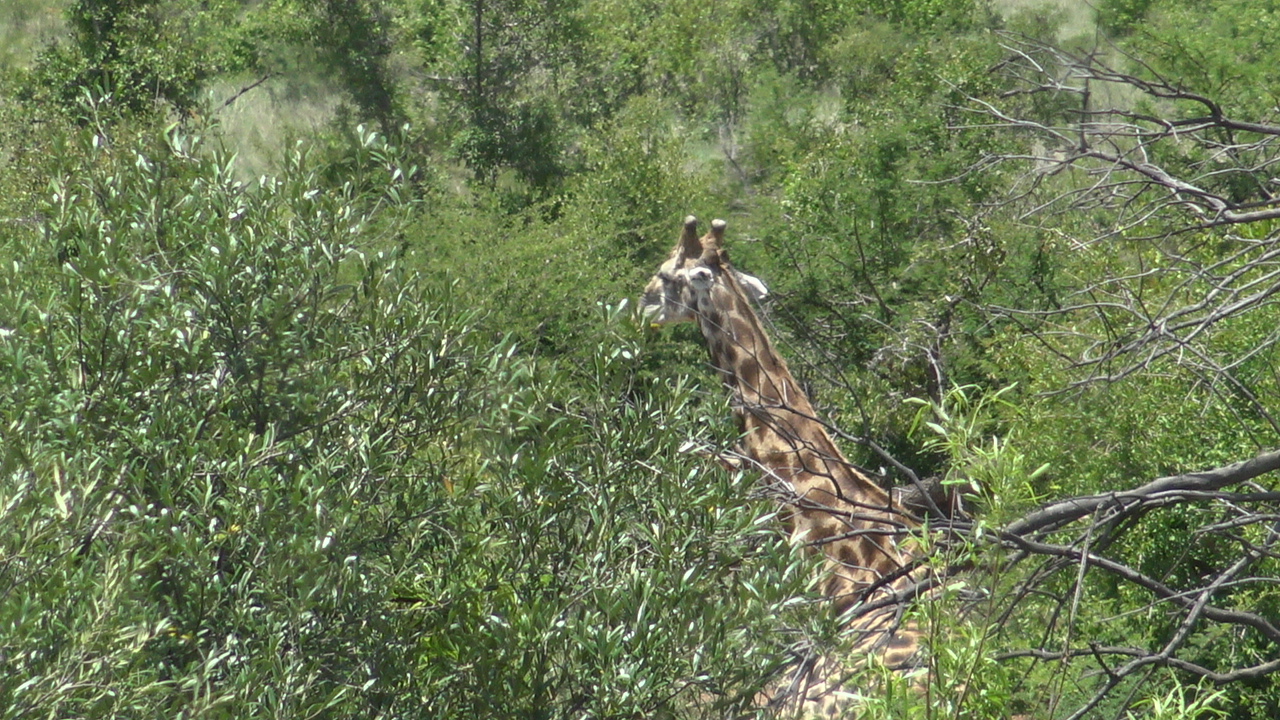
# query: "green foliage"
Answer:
x=374 y=433
x=592 y=563
x=1119 y=17
x=933 y=15
x=1227 y=57
x=251 y=468
x=982 y=460
x=201 y=458
x=639 y=169
x=139 y=53
x=354 y=38
x=1181 y=702
x=509 y=86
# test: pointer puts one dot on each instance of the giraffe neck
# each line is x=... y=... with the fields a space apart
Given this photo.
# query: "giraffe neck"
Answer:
x=832 y=507
x=777 y=418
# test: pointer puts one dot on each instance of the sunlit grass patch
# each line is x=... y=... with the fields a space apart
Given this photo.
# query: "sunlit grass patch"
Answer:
x=257 y=123
x=25 y=27
x=1077 y=16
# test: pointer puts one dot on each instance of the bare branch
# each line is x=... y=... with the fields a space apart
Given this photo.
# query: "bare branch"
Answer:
x=1166 y=171
x=1156 y=492
x=245 y=89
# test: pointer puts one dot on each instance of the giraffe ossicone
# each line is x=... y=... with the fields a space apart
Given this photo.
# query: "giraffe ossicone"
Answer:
x=831 y=506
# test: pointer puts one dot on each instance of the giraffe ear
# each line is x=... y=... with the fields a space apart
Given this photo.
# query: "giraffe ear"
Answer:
x=751 y=284
x=689 y=245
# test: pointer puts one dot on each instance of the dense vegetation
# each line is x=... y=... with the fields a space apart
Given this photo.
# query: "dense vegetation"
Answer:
x=320 y=395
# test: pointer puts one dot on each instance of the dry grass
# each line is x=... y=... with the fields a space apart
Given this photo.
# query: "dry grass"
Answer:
x=1078 y=15
x=25 y=27
x=260 y=123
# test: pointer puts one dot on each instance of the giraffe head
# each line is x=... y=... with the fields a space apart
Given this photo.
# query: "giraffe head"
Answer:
x=697 y=271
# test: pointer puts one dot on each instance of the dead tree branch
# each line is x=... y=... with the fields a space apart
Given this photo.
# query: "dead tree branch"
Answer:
x=1157 y=493
x=1162 y=185
x=1206 y=608
x=226 y=103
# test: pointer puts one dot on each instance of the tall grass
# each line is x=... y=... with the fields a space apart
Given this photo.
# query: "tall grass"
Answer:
x=25 y=27
x=258 y=122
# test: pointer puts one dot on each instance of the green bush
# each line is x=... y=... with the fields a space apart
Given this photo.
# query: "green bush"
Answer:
x=1119 y=17
x=374 y=435
x=252 y=469
x=138 y=54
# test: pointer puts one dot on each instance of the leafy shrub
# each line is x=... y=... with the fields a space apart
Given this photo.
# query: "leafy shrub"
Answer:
x=139 y=53
x=250 y=468
x=1119 y=17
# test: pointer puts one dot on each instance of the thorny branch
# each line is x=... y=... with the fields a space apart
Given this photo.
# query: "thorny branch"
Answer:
x=1204 y=617
x=1214 y=633
x=1168 y=189
x=1177 y=200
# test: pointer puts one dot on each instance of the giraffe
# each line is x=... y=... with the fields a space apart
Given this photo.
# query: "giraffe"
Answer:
x=830 y=505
